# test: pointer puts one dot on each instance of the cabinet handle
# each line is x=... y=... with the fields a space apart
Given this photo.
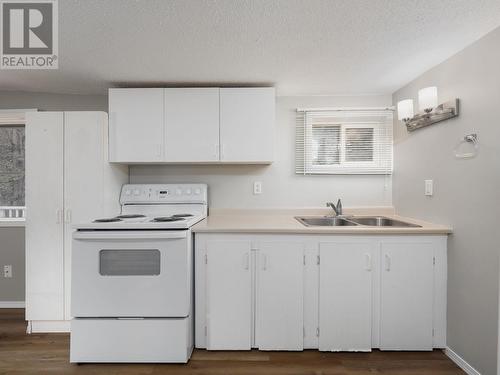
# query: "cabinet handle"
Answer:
x=159 y=150
x=387 y=262
x=68 y=216
x=247 y=261
x=216 y=151
x=58 y=216
x=112 y=151
x=368 y=259
x=222 y=151
x=264 y=262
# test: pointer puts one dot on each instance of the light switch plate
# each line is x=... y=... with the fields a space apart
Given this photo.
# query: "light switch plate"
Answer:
x=429 y=188
x=257 y=187
x=7 y=271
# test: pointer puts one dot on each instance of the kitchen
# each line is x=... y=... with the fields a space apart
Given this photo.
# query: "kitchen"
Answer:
x=259 y=151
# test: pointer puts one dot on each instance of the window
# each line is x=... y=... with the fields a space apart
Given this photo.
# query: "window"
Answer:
x=344 y=141
x=11 y=165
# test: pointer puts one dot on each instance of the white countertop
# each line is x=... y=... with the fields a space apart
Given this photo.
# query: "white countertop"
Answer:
x=283 y=221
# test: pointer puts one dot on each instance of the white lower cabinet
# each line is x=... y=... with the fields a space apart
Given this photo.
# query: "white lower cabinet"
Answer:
x=407 y=290
x=326 y=292
x=279 y=299
x=254 y=295
x=229 y=295
x=345 y=296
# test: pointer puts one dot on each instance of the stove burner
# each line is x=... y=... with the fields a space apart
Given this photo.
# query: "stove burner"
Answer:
x=131 y=216
x=167 y=219
x=107 y=220
x=182 y=215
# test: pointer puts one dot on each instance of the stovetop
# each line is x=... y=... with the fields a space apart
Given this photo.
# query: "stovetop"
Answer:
x=124 y=222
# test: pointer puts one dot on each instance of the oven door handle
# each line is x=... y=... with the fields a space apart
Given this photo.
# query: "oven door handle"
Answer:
x=129 y=235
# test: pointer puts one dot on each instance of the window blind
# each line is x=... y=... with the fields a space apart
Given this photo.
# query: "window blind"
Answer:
x=344 y=141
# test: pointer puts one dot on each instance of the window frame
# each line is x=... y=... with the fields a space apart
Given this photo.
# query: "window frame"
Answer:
x=13 y=118
x=343 y=163
x=375 y=167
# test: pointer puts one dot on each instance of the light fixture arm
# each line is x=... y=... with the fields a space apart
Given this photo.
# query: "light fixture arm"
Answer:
x=442 y=112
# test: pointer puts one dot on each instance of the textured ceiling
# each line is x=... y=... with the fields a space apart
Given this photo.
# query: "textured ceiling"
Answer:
x=300 y=46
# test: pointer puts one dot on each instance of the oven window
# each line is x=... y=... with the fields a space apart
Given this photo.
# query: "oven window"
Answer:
x=129 y=262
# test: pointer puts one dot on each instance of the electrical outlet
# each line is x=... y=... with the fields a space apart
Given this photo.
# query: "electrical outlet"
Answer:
x=257 y=187
x=429 y=187
x=7 y=271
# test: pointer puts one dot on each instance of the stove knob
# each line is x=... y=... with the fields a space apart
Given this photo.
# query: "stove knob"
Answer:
x=197 y=191
x=188 y=191
x=128 y=192
x=178 y=191
x=137 y=192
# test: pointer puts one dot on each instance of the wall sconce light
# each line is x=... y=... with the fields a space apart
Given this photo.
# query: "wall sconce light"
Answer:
x=405 y=110
x=427 y=99
x=430 y=112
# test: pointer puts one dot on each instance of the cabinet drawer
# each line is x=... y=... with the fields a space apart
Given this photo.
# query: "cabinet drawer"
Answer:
x=130 y=340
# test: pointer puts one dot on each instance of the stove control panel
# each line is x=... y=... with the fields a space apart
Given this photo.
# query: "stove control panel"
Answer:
x=164 y=193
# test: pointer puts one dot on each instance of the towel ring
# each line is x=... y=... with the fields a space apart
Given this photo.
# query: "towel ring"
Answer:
x=469 y=139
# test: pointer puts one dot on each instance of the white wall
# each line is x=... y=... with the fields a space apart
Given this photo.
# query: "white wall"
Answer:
x=52 y=102
x=232 y=186
x=12 y=252
x=466 y=192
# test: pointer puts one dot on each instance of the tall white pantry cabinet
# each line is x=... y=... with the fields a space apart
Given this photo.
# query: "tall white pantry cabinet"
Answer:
x=68 y=180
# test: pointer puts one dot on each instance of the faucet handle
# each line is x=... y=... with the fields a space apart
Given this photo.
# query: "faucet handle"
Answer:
x=334 y=208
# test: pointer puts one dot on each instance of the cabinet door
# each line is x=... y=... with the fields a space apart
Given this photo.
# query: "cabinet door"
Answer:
x=345 y=300
x=247 y=124
x=83 y=178
x=229 y=296
x=406 y=296
x=136 y=131
x=44 y=216
x=192 y=124
x=280 y=284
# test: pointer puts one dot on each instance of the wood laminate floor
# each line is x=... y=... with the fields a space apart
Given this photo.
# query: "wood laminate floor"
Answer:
x=49 y=354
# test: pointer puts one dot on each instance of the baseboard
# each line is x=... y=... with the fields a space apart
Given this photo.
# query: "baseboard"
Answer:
x=49 y=326
x=460 y=362
x=12 y=304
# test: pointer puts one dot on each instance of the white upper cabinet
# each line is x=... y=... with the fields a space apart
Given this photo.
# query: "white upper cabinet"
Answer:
x=247 y=124
x=192 y=125
x=136 y=125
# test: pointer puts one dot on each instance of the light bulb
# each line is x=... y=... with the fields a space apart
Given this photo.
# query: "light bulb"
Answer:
x=405 y=109
x=427 y=98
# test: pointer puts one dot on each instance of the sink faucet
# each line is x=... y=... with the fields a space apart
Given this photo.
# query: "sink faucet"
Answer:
x=336 y=208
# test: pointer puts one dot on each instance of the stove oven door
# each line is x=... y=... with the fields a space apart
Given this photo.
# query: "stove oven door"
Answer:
x=131 y=274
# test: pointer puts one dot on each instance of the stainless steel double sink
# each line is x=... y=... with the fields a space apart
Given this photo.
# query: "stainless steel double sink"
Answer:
x=335 y=221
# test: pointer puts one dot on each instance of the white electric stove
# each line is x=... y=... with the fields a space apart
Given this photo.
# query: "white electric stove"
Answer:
x=131 y=277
